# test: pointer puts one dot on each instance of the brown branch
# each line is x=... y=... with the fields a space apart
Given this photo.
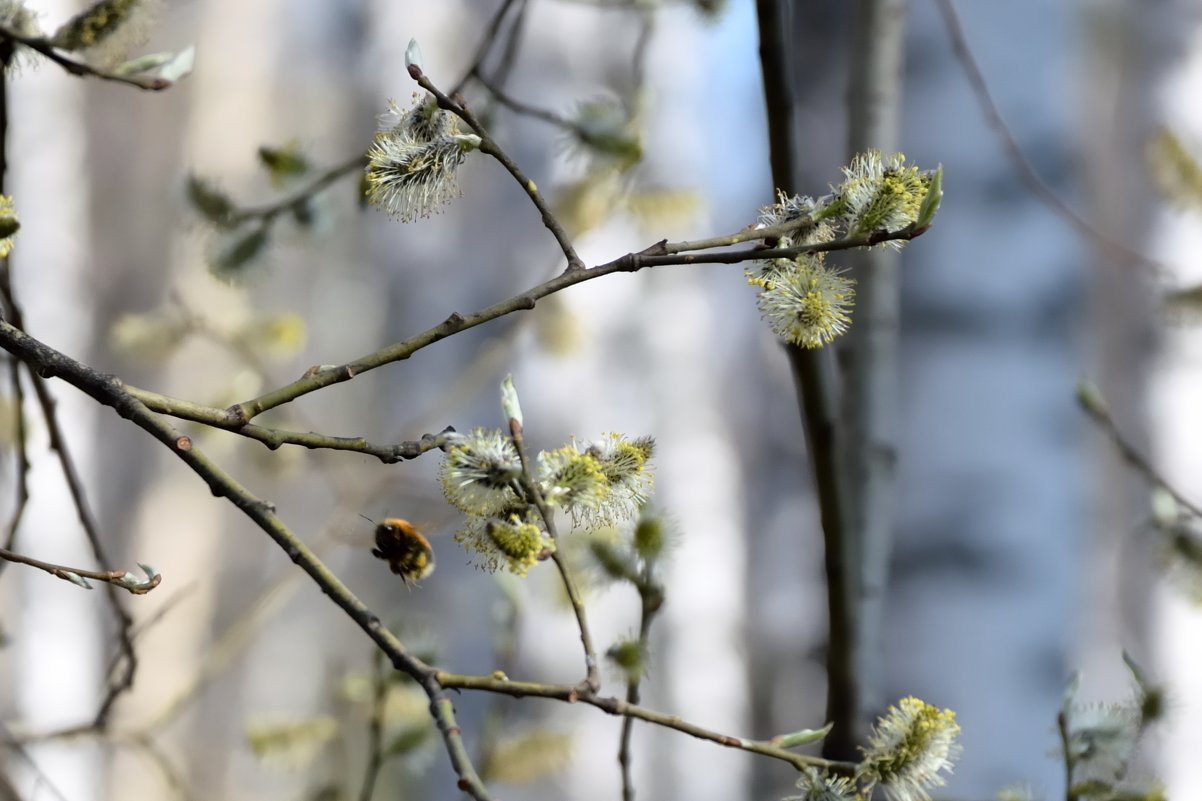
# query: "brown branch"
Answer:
x=269 y=211
x=620 y=708
x=79 y=69
x=108 y=391
x=592 y=679
x=661 y=254
x=22 y=448
x=489 y=146
x=78 y=575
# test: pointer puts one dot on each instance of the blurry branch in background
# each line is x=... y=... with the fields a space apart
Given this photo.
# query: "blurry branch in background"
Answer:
x=20 y=435
x=1099 y=742
x=1090 y=399
x=1022 y=165
x=475 y=70
x=870 y=381
x=1175 y=519
x=638 y=565
x=375 y=727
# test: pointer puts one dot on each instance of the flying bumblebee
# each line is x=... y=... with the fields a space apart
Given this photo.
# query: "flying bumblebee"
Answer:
x=404 y=548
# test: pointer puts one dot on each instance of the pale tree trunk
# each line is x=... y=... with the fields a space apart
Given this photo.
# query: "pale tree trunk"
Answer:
x=58 y=637
x=1176 y=386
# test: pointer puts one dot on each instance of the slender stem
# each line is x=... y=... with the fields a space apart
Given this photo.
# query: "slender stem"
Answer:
x=650 y=600
x=121 y=578
x=20 y=432
x=59 y=444
x=618 y=707
x=109 y=392
x=1091 y=401
x=270 y=211
x=489 y=146
x=592 y=679
x=80 y=69
x=654 y=256
x=1067 y=754
x=375 y=730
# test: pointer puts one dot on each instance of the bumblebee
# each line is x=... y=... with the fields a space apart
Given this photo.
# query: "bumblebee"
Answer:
x=406 y=549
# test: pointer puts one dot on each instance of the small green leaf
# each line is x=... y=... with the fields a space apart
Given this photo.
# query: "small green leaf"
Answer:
x=180 y=65
x=209 y=202
x=283 y=162
x=233 y=259
x=930 y=203
x=803 y=737
x=142 y=64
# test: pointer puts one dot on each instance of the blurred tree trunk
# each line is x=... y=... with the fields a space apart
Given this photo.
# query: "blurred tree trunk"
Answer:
x=982 y=607
x=1159 y=87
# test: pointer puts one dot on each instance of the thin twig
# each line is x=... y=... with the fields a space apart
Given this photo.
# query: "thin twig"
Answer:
x=270 y=211
x=1090 y=399
x=22 y=447
x=274 y=438
x=527 y=110
x=78 y=575
x=486 y=42
x=80 y=69
x=20 y=433
x=618 y=707
x=592 y=679
x=658 y=255
x=505 y=648
x=1026 y=171
x=489 y=146
x=651 y=597
x=375 y=729
x=108 y=391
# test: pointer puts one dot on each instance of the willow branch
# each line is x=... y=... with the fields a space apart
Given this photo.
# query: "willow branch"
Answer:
x=592 y=681
x=659 y=255
x=78 y=575
x=489 y=146
x=1022 y=165
x=80 y=69
x=108 y=391
x=620 y=708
